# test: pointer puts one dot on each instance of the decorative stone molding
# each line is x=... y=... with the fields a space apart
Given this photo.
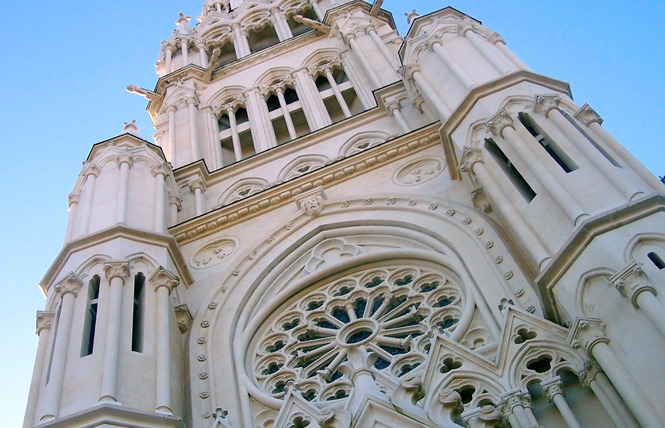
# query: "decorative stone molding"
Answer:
x=552 y=387
x=44 y=321
x=470 y=157
x=587 y=115
x=515 y=398
x=214 y=253
x=631 y=281
x=544 y=103
x=311 y=201
x=196 y=183
x=586 y=333
x=335 y=249
x=73 y=198
x=90 y=169
x=482 y=417
x=497 y=123
x=116 y=270
x=164 y=278
x=589 y=372
x=163 y=169
x=419 y=171
x=71 y=284
x=183 y=318
x=126 y=158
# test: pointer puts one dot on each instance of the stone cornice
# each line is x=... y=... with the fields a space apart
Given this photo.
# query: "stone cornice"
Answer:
x=581 y=238
x=283 y=194
x=115 y=232
x=124 y=137
x=106 y=413
x=462 y=110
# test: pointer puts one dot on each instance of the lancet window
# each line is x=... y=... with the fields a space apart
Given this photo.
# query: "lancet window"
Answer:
x=235 y=134
x=384 y=310
x=137 y=313
x=509 y=169
x=337 y=93
x=552 y=149
x=286 y=114
x=90 y=322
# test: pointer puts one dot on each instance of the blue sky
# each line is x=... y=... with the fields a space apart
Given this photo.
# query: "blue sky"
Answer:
x=65 y=66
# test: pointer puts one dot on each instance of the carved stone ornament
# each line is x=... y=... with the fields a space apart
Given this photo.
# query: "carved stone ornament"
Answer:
x=70 y=285
x=515 y=398
x=164 y=278
x=331 y=251
x=470 y=157
x=587 y=333
x=499 y=122
x=116 y=270
x=587 y=115
x=589 y=372
x=311 y=201
x=419 y=171
x=631 y=281
x=44 y=320
x=485 y=416
x=544 y=103
x=552 y=387
x=214 y=253
x=183 y=318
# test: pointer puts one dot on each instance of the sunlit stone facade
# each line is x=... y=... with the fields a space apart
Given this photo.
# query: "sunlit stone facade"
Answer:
x=338 y=226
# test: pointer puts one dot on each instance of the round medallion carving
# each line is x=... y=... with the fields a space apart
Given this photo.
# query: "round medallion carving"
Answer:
x=419 y=171
x=214 y=253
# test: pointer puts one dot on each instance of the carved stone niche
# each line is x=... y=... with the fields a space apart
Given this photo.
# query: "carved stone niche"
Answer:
x=311 y=201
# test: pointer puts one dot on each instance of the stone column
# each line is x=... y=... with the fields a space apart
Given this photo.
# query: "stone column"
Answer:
x=185 y=54
x=486 y=416
x=593 y=121
x=203 y=57
x=171 y=111
x=366 y=98
x=484 y=48
x=394 y=109
x=312 y=106
x=502 y=125
x=548 y=106
x=413 y=73
x=240 y=43
x=593 y=377
x=634 y=284
x=74 y=199
x=317 y=9
x=116 y=273
x=235 y=138
x=392 y=59
x=85 y=204
x=281 y=26
x=44 y=324
x=553 y=392
x=473 y=163
x=193 y=134
x=259 y=120
x=589 y=333
x=160 y=172
x=68 y=289
x=197 y=187
x=350 y=40
x=125 y=162
x=516 y=406
x=163 y=281
x=168 y=54
x=175 y=204
x=213 y=136
x=338 y=94
x=436 y=46
x=285 y=112
x=500 y=44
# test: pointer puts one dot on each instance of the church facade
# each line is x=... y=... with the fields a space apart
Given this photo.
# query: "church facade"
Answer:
x=338 y=226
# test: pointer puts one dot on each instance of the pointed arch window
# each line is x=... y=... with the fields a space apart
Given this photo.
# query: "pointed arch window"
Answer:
x=509 y=169
x=286 y=114
x=337 y=93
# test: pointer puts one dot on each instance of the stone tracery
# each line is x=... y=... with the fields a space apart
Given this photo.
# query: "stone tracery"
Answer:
x=386 y=311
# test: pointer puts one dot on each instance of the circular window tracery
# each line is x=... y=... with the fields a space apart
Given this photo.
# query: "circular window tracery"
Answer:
x=385 y=311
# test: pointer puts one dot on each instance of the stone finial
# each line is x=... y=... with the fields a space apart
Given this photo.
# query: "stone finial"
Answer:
x=131 y=128
x=411 y=16
x=183 y=24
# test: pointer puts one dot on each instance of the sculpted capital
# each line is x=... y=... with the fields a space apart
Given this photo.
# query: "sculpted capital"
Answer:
x=587 y=115
x=470 y=157
x=631 y=281
x=587 y=333
x=44 y=320
x=128 y=159
x=164 y=278
x=589 y=372
x=552 y=387
x=70 y=285
x=197 y=183
x=545 y=103
x=90 y=169
x=116 y=270
x=499 y=122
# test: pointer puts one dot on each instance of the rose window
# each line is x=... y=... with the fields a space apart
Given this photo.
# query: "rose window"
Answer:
x=385 y=312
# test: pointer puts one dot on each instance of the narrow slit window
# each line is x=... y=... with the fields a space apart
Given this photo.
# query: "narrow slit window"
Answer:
x=90 y=325
x=509 y=169
x=137 y=313
x=552 y=149
x=656 y=260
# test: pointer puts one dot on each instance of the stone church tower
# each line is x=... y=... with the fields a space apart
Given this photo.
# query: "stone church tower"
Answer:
x=337 y=226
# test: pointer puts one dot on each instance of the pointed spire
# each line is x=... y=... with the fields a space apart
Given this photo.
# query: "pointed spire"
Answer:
x=183 y=24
